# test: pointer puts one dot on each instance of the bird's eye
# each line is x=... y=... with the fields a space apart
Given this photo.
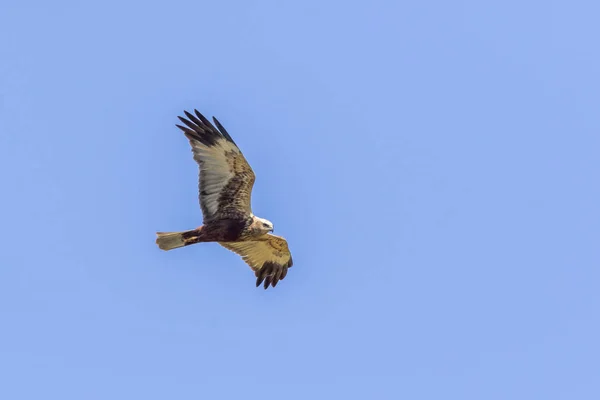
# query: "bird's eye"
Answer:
x=266 y=225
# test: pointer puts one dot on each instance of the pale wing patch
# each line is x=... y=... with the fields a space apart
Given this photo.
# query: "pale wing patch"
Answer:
x=268 y=255
x=216 y=170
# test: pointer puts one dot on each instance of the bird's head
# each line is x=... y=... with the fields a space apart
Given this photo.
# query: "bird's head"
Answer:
x=262 y=226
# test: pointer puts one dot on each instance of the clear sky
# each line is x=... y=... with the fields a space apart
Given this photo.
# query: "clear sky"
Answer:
x=434 y=165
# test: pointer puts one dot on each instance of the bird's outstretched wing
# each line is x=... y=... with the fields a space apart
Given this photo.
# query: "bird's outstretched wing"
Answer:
x=267 y=255
x=226 y=178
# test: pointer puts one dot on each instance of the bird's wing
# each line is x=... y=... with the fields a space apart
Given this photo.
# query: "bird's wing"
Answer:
x=226 y=178
x=267 y=255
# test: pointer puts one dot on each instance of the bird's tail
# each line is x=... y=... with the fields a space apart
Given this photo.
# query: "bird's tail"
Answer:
x=174 y=240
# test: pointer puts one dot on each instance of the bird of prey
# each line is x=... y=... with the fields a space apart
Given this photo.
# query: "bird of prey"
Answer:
x=226 y=181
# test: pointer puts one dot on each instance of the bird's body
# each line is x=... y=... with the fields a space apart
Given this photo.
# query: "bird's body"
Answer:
x=226 y=181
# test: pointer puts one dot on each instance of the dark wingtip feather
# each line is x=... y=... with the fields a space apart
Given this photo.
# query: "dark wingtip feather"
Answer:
x=193 y=135
x=193 y=118
x=204 y=129
x=205 y=121
x=199 y=114
x=199 y=128
x=190 y=124
x=267 y=282
x=223 y=130
x=271 y=273
x=186 y=130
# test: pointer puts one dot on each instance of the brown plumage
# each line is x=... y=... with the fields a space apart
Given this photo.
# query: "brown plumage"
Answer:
x=225 y=188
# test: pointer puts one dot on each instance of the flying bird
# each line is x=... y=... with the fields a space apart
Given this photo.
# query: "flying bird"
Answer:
x=225 y=185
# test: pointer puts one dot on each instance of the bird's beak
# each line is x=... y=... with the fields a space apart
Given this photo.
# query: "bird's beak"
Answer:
x=272 y=230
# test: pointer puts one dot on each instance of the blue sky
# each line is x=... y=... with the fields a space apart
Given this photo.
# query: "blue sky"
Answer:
x=434 y=166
